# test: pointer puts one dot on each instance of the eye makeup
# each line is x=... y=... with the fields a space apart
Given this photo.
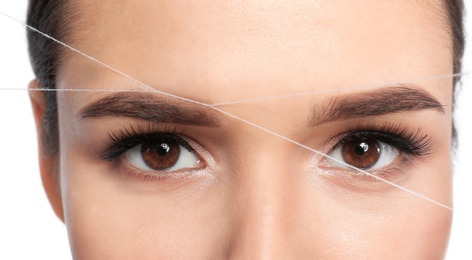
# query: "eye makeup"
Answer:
x=152 y=152
x=406 y=144
x=132 y=136
x=410 y=144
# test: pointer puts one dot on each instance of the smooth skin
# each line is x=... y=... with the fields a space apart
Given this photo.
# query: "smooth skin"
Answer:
x=256 y=196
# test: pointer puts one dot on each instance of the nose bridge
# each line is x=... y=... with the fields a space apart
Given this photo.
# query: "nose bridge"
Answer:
x=265 y=204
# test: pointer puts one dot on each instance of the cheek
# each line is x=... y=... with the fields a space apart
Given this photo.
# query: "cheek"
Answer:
x=106 y=219
x=421 y=228
x=109 y=218
x=402 y=235
x=391 y=223
x=405 y=228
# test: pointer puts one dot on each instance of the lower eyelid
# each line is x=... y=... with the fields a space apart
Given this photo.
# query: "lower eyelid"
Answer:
x=392 y=171
x=142 y=183
x=153 y=176
x=132 y=172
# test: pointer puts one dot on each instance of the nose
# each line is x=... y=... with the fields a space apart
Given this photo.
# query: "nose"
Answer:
x=267 y=206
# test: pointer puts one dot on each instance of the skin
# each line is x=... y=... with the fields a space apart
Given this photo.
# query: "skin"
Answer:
x=257 y=196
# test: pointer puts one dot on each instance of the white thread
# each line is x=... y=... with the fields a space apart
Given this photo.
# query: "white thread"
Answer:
x=77 y=90
x=233 y=116
x=237 y=102
x=336 y=160
x=103 y=64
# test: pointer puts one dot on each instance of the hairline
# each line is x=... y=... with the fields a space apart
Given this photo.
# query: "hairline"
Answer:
x=69 y=11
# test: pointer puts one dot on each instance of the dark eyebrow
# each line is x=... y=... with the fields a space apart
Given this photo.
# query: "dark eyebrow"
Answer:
x=400 y=98
x=150 y=107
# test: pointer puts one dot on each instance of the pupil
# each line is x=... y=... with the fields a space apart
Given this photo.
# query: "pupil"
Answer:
x=163 y=149
x=361 y=153
x=361 y=149
x=160 y=156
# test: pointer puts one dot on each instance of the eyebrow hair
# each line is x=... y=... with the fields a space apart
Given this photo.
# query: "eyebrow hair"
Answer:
x=400 y=98
x=150 y=108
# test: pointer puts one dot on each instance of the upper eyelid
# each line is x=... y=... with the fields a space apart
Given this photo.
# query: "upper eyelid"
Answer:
x=91 y=58
x=136 y=138
x=419 y=145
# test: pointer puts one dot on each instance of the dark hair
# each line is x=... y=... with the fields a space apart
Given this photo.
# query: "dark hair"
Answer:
x=54 y=18
x=49 y=17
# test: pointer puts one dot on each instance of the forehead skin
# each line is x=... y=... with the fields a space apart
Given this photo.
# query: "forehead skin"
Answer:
x=250 y=48
x=219 y=51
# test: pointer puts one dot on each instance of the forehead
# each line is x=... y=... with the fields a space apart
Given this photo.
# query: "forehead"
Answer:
x=237 y=45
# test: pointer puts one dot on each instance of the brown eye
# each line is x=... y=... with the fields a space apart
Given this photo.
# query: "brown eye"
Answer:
x=361 y=154
x=160 y=156
x=165 y=155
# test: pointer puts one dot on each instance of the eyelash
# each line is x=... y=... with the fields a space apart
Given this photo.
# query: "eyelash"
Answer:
x=409 y=142
x=131 y=136
x=412 y=144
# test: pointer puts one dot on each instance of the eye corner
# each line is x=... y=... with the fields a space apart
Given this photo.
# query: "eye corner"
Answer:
x=388 y=152
x=110 y=154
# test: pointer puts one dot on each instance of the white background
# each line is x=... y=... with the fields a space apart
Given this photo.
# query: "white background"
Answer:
x=28 y=227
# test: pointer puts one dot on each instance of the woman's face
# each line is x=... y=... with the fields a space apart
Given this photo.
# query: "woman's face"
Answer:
x=150 y=176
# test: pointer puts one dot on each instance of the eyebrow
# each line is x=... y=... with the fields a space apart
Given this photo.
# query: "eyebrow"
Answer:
x=150 y=108
x=388 y=100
